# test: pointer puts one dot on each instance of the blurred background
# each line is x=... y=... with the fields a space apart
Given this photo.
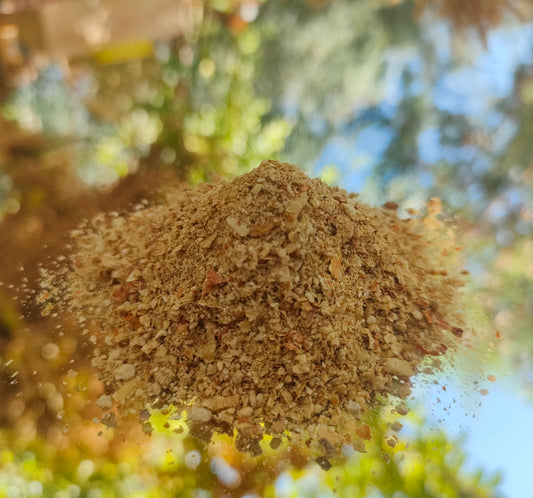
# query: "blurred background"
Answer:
x=102 y=102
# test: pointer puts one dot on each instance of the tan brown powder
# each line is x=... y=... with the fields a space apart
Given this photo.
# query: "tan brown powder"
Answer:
x=271 y=299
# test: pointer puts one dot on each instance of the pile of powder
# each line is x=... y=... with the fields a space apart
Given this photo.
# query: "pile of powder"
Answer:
x=268 y=303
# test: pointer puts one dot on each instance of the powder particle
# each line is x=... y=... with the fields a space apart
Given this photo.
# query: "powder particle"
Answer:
x=364 y=432
x=401 y=408
x=324 y=463
x=399 y=367
x=391 y=441
x=105 y=402
x=271 y=299
x=124 y=372
x=396 y=426
x=199 y=414
x=275 y=442
x=109 y=420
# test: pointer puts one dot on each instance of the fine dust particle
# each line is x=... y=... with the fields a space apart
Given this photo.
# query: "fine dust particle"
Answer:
x=268 y=303
x=491 y=378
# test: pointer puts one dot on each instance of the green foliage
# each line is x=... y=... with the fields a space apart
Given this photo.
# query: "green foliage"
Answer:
x=327 y=65
x=223 y=117
x=195 y=107
x=424 y=464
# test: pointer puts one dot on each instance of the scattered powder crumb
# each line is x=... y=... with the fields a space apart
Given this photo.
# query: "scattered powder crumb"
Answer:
x=109 y=420
x=391 y=441
x=364 y=432
x=275 y=442
x=104 y=402
x=268 y=303
x=402 y=409
x=324 y=463
x=124 y=372
x=147 y=428
x=396 y=426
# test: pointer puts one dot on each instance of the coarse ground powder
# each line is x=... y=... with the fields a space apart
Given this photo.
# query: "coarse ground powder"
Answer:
x=269 y=303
